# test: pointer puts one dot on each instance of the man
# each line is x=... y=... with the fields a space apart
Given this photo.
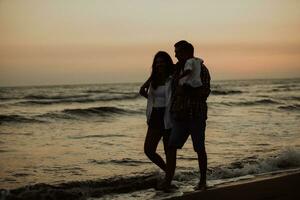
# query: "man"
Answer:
x=189 y=113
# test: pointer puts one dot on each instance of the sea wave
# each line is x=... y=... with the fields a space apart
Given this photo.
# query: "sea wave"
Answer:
x=79 y=190
x=286 y=88
x=225 y=92
x=252 y=165
x=68 y=114
x=79 y=99
x=8 y=98
x=252 y=103
x=17 y=118
x=124 y=161
x=109 y=91
x=294 y=107
x=97 y=91
x=296 y=98
x=99 y=111
x=54 y=97
x=287 y=159
x=262 y=101
x=97 y=136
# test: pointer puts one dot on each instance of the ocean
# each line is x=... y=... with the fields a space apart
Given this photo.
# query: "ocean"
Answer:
x=92 y=136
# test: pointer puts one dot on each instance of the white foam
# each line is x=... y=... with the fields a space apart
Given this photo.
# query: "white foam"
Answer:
x=288 y=158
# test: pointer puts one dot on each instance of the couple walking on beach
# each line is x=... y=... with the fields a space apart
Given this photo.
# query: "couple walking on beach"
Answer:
x=176 y=108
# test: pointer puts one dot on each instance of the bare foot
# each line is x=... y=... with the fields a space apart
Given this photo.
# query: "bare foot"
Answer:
x=166 y=187
x=200 y=186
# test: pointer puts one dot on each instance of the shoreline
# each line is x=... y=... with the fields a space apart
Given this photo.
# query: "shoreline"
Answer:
x=276 y=185
x=281 y=185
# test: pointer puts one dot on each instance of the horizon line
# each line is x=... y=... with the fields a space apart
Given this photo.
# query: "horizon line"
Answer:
x=134 y=82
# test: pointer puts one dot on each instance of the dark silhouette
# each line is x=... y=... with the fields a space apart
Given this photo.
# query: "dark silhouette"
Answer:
x=189 y=114
x=157 y=91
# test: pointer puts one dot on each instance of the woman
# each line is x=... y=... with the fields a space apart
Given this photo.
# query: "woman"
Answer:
x=158 y=105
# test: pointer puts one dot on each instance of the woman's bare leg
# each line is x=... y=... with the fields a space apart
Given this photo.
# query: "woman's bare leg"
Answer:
x=152 y=139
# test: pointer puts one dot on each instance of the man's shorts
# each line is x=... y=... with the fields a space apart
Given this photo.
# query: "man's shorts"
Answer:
x=182 y=129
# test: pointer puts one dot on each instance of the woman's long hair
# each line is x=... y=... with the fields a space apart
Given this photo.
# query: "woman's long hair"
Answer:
x=168 y=71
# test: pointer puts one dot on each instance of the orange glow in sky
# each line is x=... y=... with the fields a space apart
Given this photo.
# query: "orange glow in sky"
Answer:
x=66 y=42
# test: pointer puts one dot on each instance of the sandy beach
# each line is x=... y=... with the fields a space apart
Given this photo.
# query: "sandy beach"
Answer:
x=279 y=186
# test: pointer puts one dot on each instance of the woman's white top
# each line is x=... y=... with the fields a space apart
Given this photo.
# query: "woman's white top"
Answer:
x=160 y=97
x=193 y=79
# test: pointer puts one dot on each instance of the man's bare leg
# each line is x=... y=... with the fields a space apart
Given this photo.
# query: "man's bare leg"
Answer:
x=202 y=161
x=171 y=165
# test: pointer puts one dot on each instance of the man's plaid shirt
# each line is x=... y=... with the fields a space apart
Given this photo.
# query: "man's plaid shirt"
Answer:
x=190 y=104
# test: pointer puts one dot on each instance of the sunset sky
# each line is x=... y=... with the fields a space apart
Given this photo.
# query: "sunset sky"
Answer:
x=89 y=41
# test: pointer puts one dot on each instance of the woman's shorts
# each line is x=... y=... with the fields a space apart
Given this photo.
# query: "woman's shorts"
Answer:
x=157 y=118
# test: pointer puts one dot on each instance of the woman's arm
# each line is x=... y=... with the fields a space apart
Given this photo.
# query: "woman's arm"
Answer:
x=145 y=87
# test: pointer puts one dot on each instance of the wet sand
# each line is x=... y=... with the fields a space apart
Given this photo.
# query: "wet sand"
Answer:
x=267 y=187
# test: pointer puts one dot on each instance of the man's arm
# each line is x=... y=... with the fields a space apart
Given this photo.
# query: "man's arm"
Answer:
x=185 y=73
x=205 y=78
